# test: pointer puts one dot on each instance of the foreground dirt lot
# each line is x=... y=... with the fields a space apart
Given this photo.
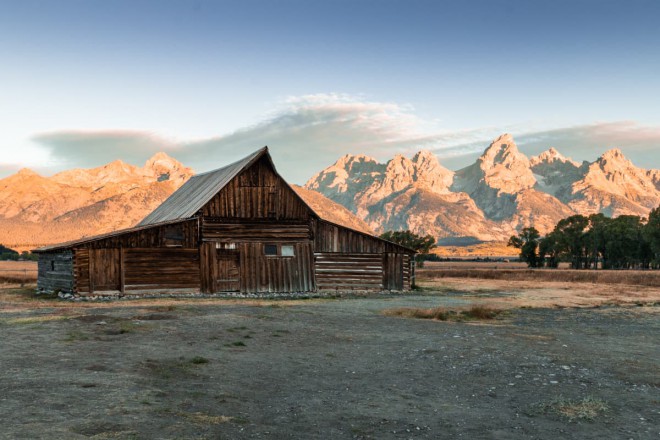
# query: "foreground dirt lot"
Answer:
x=333 y=368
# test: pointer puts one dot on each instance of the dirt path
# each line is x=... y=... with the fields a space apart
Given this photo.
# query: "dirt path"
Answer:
x=324 y=369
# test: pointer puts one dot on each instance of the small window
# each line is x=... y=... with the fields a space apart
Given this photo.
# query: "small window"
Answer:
x=173 y=236
x=174 y=232
x=270 y=249
x=52 y=265
x=288 y=251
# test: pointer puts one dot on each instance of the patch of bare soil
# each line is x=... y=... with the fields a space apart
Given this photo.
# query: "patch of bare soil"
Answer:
x=328 y=369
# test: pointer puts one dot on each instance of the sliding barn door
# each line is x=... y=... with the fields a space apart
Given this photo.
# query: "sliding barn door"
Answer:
x=104 y=270
x=228 y=271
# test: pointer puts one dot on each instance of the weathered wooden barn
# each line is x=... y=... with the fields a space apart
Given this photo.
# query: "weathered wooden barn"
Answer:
x=240 y=228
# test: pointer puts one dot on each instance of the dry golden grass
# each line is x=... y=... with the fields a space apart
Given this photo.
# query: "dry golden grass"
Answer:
x=511 y=294
x=18 y=272
x=470 y=264
x=629 y=277
x=206 y=419
x=475 y=313
x=585 y=409
x=36 y=319
x=488 y=249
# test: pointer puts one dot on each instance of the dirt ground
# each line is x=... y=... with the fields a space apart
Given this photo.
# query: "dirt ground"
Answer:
x=335 y=368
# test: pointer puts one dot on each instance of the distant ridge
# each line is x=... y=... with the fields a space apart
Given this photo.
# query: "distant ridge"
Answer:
x=37 y=211
x=501 y=193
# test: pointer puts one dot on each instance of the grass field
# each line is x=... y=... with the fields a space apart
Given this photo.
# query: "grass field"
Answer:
x=520 y=272
x=12 y=272
x=487 y=249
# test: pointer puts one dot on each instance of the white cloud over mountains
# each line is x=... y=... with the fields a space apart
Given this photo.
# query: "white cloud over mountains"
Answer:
x=308 y=133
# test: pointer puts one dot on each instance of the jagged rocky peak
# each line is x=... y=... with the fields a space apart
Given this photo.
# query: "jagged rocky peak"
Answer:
x=164 y=167
x=502 y=150
x=430 y=174
x=551 y=156
x=614 y=172
x=356 y=163
x=555 y=173
x=613 y=159
x=425 y=158
x=162 y=161
x=504 y=167
x=116 y=169
x=399 y=174
x=400 y=164
x=347 y=171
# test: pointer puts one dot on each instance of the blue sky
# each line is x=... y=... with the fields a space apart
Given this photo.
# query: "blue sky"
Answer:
x=85 y=82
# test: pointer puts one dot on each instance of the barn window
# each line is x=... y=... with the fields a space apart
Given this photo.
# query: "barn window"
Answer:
x=173 y=236
x=270 y=249
x=288 y=251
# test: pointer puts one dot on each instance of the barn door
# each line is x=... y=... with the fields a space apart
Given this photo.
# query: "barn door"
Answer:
x=393 y=271
x=104 y=269
x=227 y=271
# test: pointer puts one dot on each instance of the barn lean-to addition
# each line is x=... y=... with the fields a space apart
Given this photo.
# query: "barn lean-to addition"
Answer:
x=240 y=228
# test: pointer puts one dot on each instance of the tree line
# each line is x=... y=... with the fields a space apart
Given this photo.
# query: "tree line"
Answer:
x=8 y=254
x=624 y=242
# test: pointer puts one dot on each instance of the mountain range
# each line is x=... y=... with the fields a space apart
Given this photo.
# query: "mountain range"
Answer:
x=37 y=210
x=502 y=192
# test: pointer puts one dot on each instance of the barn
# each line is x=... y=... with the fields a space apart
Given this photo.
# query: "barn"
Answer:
x=240 y=228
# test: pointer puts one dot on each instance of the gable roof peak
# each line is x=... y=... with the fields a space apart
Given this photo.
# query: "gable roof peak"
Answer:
x=199 y=190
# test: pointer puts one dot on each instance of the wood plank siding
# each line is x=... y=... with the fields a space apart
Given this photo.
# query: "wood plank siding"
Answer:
x=257 y=272
x=160 y=257
x=330 y=237
x=348 y=259
x=352 y=271
x=55 y=271
x=165 y=268
x=257 y=193
x=225 y=231
x=125 y=270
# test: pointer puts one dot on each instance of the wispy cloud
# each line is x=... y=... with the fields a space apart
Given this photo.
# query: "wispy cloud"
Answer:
x=307 y=133
x=91 y=148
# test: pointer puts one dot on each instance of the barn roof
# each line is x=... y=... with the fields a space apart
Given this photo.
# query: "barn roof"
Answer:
x=198 y=191
x=73 y=243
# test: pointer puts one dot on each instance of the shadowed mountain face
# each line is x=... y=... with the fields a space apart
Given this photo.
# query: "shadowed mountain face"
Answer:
x=501 y=193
